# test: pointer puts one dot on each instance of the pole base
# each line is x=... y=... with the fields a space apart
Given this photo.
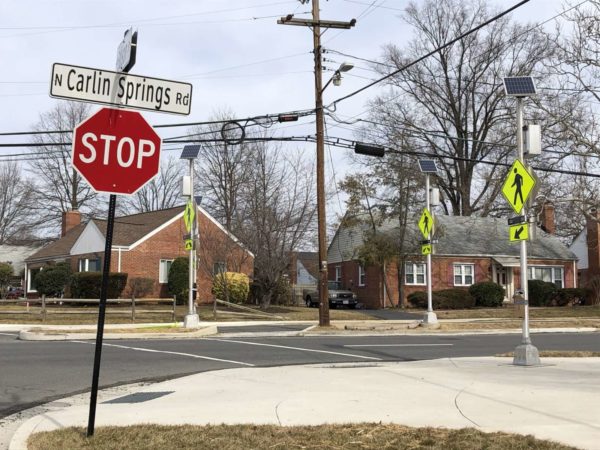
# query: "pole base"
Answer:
x=191 y=321
x=430 y=318
x=526 y=355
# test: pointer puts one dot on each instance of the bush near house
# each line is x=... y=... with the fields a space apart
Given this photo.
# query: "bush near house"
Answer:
x=138 y=287
x=179 y=279
x=593 y=288
x=231 y=286
x=487 y=294
x=571 y=297
x=541 y=293
x=6 y=273
x=87 y=284
x=444 y=299
x=52 y=280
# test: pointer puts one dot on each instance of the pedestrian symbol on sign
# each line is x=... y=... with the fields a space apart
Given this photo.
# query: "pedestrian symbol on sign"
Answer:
x=518 y=185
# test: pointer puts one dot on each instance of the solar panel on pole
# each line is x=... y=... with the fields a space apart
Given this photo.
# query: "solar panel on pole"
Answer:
x=519 y=86
x=428 y=166
x=190 y=152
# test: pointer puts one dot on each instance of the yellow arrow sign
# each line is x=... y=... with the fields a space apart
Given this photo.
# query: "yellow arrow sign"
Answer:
x=189 y=244
x=519 y=232
x=189 y=215
x=426 y=223
x=518 y=186
x=426 y=249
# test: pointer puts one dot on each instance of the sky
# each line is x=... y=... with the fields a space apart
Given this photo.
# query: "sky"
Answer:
x=233 y=52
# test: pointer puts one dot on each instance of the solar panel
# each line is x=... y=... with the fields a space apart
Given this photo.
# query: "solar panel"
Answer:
x=428 y=166
x=519 y=86
x=190 y=152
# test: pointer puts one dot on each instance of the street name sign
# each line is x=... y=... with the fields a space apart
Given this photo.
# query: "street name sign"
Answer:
x=519 y=232
x=120 y=89
x=425 y=223
x=518 y=186
x=515 y=220
x=116 y=151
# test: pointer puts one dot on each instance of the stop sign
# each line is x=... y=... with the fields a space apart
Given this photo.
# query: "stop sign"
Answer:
x=116 y=151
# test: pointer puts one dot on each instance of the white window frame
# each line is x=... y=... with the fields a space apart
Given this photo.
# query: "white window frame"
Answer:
x=462 y=274
x=163 y=272
x=30 y=287
x=414 y=273
x=86 y=264
x=362 y=275
x=338 y=273
x=217 y=267
x=554 y=269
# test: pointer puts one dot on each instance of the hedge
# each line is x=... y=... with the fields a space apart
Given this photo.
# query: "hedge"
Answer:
x=571 y=296
x=52 y=280
x=179 y=279
x=444 y=299
x=487 y=294
x=541 y=293
x=231 y=286
x=87 y=284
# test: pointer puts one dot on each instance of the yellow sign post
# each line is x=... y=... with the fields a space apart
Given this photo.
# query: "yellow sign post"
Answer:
x=518 y=186
x=519 y=232
x=426 y=249
x=426 y=223
x=188 y=216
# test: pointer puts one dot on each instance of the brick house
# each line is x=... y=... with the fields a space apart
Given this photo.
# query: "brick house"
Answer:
x=586 y=247
x=470 y=250
x=144 y=245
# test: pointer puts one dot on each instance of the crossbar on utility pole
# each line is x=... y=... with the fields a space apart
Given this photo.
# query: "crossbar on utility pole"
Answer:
x=316 y=23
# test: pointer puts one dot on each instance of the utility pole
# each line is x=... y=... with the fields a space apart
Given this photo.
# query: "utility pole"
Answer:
x=316 y=23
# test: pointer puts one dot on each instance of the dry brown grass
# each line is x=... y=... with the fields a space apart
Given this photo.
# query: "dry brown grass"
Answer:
x=513 y=312
x=363 y=436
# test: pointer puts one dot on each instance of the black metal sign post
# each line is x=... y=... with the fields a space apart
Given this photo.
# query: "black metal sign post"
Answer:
x=101 y=313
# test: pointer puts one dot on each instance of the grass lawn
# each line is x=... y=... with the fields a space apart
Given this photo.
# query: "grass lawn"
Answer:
x=363 y=436
x=512 y=312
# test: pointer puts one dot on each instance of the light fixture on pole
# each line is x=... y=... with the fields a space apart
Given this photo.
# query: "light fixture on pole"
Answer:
x=190 y=152
x=337 y=75
x=525 y=354
x=428 y=167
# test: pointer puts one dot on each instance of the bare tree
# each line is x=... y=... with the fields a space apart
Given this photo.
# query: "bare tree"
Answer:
x=451 y=103
x=59 y=186
x=162 y=192
x=16 y=197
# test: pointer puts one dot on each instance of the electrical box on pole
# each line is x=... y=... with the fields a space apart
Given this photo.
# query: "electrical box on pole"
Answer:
x=532 y=140
x=186 y=186
x=434 y=196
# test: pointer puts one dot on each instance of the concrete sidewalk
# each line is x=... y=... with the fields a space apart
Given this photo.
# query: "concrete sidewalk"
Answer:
x=559 y=400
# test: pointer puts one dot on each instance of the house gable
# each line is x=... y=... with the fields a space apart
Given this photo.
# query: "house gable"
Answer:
x=580 y=248
x=90 y=240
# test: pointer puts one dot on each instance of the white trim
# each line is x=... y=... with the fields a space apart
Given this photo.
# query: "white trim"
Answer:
x=364 y=273
x=414 y=274
x=224 y=230
x=551 y=266
x=574 y=274
x=162 y=271
x=463 y=275
x=156 y=230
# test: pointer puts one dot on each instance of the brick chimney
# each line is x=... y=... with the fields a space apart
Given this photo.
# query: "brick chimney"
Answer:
x=70 y=219
x=548 y=218
x=593 y=241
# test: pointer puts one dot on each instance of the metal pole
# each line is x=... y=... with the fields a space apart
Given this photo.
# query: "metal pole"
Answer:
x=430 y=317
x=101 y=313
x=525 y=354
x=191 y=319
x=323 y=291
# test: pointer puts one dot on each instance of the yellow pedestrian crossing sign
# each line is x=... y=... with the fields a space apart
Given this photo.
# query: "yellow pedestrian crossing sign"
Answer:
x=519 y=232
x=426 y=249
x=189 y=215
x=518 y=186
x=426 y=223
x=189 y=244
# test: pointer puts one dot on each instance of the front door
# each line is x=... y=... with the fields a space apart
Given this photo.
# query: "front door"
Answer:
x=504 y=277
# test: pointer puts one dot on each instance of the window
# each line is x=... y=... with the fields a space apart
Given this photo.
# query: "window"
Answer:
x=31 y=279
x=464 y=274
x=414 y=273
x=89 y=265
x=338 y=273
x=219 y=267
x=547 y=273
x=163 y=270
x=361 y=276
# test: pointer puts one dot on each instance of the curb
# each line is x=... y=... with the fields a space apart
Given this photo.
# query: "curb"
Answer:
x=33 y=335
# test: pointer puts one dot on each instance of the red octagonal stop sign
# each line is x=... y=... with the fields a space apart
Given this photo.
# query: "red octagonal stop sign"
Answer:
x=116 y=151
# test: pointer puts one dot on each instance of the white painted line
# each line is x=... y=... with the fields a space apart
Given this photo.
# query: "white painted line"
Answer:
x=400 y=345
x=9 y=334
x=189 y=355
x=295 y=348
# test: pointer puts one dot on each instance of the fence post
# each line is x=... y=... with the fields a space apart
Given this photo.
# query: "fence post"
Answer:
x=133 y=308
x=174 y=299
x=43 y=307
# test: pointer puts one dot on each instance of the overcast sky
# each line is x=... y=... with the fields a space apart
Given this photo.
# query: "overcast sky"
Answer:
x=233 y=52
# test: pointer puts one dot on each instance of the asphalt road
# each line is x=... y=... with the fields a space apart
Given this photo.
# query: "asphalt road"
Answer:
x=34 y=372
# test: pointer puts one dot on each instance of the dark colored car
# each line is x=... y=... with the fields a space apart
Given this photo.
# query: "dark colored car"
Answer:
x=15 y=292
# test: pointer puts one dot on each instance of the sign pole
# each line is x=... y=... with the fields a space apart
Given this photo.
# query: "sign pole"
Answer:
x=191 y=320
x=101 y=313
x=525 y=354
x=430 y=316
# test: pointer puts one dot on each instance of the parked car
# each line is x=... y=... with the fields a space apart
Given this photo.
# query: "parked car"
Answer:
x=337 y=296
x=15 y=292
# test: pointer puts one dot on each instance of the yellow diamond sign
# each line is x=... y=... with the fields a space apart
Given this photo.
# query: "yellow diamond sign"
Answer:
x=519 y=232
x=189 y=244
x=518 y=185
x=426 y=223
x=426 y=249
x=189 y=215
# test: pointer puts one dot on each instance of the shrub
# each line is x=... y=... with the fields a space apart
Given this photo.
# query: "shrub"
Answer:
x=282 y=294
x=231 y=286
x=444 y=299
x=6 y=272
x=593 y=288
x=541 y=293
x=487 y=294
x=179 y=279
x=140 y=287
x=88 y=284
x=52 y=280
x=570 y=296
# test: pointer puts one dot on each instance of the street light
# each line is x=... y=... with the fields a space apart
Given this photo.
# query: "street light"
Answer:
x=337 y=75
